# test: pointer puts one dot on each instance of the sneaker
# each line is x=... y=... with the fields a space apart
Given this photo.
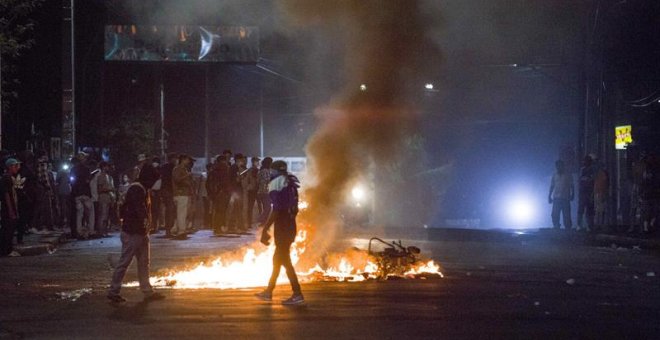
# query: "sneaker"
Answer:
x=264 y=296
x=295 y=299
x=14 y=253
x=153 y=296
x=116 y=298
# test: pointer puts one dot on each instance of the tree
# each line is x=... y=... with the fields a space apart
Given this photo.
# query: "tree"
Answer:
x=15 y=28
x=131 y=134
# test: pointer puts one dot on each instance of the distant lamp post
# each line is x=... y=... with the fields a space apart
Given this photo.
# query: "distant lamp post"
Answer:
x=428 y=86
x=363 y=87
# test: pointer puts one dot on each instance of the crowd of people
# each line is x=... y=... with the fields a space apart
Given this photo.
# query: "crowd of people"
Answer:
x=594 y=195
x=82 y=199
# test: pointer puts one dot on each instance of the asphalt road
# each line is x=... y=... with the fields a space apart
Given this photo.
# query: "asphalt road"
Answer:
x=505 y=288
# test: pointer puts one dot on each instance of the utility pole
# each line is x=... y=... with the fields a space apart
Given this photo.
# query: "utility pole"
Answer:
x=68 y=81
x=0 y=97
x=206 y=114
x=162 y=119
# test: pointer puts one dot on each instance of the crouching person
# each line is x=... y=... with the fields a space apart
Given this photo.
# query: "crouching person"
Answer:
x=134 y=243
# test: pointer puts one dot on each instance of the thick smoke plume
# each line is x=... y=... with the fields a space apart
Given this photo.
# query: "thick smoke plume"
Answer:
x=386 y=48
x=385 y=44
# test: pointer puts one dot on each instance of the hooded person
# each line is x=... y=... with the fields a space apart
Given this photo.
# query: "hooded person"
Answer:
x=283 y=191
x=134 y=243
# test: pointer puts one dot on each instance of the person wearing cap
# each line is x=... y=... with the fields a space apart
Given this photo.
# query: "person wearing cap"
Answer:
x=9 y=206
x=283 y=190
x=182 y=187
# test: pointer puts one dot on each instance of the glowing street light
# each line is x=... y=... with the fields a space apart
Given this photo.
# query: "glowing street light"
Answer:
x=428 y=86
x=363 y=87
x=358 y=193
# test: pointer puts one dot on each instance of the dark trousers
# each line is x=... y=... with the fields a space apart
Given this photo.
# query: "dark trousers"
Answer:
x=26 y=214
x=563 y=207
x=236 y=211
x=154 y=196
x=167 y=200
x=282 y=258
x=7 y=228
x=72 y=213
x=265 y=206
x=220 y=205
x=586 y=211
x=251 y=199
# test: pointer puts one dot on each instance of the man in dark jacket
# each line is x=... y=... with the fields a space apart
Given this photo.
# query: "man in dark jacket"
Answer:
x=166 y=191
x=134 y=243
x=283 y=190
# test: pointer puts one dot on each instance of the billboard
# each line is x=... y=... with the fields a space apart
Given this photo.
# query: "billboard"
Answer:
x=623 y=136
x=182 y=43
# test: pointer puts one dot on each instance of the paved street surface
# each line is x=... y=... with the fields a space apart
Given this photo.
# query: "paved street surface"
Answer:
x=524 y=286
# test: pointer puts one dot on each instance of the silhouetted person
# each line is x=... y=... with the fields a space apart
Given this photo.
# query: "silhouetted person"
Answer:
x=560 y=196
x=585 y=210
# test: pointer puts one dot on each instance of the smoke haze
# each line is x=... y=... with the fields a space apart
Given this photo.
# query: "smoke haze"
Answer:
x=385 y=48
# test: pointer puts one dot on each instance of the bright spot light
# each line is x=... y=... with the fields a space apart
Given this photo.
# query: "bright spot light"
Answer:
x=65 y=167
x=521 y=211
x=428 y=86
x=363 y=87
x=358 y=193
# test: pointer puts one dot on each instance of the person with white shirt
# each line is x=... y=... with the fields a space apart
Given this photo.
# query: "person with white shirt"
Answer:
x=560 y=196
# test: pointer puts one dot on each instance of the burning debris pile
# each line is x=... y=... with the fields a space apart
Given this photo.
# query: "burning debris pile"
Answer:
x=394 y=261
x=250 y=267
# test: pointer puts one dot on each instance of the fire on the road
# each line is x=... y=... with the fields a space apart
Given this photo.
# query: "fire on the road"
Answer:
x=251 y=267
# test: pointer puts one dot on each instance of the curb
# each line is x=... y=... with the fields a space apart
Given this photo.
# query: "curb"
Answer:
x=628 y=241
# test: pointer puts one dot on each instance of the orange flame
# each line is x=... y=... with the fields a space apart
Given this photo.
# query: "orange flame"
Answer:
x=251 y=267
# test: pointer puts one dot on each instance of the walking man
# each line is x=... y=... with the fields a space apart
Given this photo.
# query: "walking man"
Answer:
x=284 y=196
x=134 y=243
x=560 y=196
